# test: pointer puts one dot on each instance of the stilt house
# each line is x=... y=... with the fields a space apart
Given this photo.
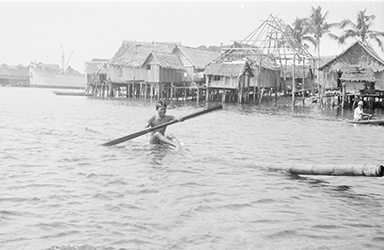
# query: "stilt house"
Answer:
x=242 y=71
x=96 y=72
x=304 y=78
x=163 y=70
x=195 y=61
x=358 y=71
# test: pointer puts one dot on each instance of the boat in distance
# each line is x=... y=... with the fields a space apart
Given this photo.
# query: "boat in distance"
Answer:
x=72 y=93
x=51 y=76
x=370 y=122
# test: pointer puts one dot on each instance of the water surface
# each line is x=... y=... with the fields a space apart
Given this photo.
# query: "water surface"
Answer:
x=59 y=187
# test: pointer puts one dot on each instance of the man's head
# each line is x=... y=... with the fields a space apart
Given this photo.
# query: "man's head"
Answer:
x=161 y=104
x=161 y=108
x=360 y=103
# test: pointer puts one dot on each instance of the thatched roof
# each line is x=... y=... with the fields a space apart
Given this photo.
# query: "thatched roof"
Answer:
x=357 y=54
x=199 y=58
x=133 y=54
x=96 y=66
x=358 y=75
x=232 y=69
x=165 y=60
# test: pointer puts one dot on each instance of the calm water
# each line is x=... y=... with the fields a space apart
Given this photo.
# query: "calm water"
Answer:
x=59 y=187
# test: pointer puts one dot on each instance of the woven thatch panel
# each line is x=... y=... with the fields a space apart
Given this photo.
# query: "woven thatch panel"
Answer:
x=96 y=66
x=357 y=54
x=232 y=69
x=358 y=75
x=165 y=60
x=133 y=54
x=198 y=58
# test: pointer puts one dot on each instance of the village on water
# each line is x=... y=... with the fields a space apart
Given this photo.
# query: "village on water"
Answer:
x=271 y=63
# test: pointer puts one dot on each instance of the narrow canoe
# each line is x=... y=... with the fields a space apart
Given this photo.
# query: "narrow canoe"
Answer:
x=72 y=93
x=372 y=122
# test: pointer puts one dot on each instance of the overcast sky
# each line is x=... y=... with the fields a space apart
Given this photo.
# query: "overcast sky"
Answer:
x=35 y=30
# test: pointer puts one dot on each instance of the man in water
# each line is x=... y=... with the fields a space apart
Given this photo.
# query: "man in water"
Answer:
x=158 y=136
x=359 y=112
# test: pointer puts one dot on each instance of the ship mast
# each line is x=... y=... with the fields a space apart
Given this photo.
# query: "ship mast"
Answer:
x=62 y=61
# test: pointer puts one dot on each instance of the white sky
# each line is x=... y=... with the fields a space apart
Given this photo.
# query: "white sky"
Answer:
x=35 y=30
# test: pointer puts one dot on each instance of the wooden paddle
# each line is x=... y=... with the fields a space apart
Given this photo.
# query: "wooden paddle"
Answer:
x=143 y=132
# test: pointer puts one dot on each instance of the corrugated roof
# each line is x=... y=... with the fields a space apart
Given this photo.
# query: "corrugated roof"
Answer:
x=235 y=68
x=198 y=57
x=167 y=60
x=133 y=54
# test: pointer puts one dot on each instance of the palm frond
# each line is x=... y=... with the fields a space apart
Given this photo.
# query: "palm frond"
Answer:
x=347 y=23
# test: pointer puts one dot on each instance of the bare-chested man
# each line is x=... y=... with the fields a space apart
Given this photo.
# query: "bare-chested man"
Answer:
x=158 y=136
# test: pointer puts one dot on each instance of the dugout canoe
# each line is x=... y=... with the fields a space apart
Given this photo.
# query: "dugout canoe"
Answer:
x=72 y=93
x=366 y=122
x=369 y=170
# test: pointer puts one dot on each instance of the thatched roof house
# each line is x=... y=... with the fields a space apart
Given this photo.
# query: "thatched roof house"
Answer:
x=96 y=71
x=133 y=54
x=197 y=58
x=164 y=67
x=195 y=61
x=231 y=69
x=96 y=66
x=353 y=61
x=228 y=75
x=165 y=60
x=127 y=63
x=264 y=72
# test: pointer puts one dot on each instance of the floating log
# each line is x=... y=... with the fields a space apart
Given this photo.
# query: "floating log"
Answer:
x=369 y=170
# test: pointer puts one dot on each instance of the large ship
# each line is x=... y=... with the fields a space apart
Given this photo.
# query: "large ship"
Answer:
x=52 y=76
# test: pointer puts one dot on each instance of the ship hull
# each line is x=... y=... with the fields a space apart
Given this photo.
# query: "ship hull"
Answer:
x=50 y=79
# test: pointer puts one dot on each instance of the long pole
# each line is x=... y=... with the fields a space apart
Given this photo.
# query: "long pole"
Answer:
x=143 y=132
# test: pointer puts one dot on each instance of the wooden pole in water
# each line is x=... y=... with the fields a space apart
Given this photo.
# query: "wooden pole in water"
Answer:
x=368 y=170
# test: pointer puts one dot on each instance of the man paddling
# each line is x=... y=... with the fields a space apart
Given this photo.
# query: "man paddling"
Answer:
x=359 y=112
x=158 y=136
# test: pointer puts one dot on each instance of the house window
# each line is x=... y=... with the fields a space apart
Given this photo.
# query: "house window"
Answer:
x=148 y=67
x=216 y=78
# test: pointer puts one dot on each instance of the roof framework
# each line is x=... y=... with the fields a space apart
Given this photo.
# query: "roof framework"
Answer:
x=275 y=40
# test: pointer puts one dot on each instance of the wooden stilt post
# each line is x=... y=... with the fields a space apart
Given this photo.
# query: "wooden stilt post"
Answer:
x=171 y=95
x=207 y=89
x=240 y=81
x=303 y=93
x=259 y=81
x=293 y=81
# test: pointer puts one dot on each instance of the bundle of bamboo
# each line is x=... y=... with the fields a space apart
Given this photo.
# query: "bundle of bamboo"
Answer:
x=369 y=170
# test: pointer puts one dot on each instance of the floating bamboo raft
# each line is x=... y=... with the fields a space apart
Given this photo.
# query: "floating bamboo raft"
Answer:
x=369 y=170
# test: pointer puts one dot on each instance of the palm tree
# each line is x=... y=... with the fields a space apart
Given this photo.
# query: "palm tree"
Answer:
x=319 y=27
x=301 y=31
x=361 y=30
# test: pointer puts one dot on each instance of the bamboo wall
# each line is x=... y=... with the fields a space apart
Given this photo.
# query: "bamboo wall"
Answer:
x=226 y=82
x=379 y=80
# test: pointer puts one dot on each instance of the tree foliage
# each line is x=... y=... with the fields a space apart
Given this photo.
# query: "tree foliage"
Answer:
x=361 y=30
